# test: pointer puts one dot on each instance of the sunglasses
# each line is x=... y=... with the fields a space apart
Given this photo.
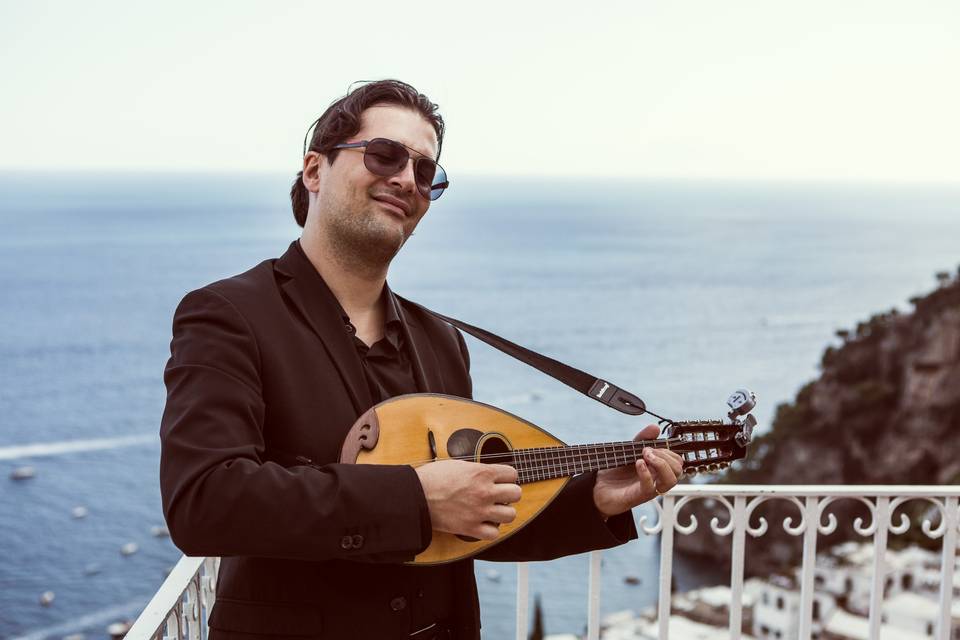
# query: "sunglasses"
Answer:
x=384 y=157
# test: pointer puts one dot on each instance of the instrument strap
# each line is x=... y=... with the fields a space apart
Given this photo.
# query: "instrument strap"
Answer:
x=597 y=388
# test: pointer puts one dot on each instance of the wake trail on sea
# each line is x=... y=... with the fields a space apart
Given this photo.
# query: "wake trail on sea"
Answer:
x=96 y=618
x=41 y=449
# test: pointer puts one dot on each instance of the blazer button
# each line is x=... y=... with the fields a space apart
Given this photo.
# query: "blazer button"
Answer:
x=346 y=542
x=398 y=604
x=357 y=541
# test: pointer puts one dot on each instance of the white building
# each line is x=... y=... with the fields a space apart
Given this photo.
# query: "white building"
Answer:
x=919 y=614
x=843 y=579
x=776 y=613
x=849 y=626
x=624 y=626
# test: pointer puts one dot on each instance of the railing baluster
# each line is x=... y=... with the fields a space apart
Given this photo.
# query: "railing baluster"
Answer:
x=736 y=565
x=882 y=522
x=593 y=610
x=948 y=561
x=807 y=568
x=667 y=517
x=523 y=599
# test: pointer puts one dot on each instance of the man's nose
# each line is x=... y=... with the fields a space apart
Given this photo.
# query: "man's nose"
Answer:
x=405 y=179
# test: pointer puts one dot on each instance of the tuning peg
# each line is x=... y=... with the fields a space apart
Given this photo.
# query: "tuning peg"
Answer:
x=713 y=467
x=741 y=402
x=724 y=465
x=746 y=434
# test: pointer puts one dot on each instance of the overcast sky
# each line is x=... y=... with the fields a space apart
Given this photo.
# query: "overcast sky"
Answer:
x=735 y=89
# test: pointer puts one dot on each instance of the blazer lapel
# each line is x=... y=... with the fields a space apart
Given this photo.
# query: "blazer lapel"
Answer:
x=312 y=297
x=426 y=366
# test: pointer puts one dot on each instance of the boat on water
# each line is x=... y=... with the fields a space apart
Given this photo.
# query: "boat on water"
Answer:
x=23 y=473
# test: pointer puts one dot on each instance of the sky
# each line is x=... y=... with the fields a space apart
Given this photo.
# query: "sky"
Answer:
x=740 y=89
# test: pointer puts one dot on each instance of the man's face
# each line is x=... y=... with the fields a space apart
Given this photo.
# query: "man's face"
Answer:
x=364 y=216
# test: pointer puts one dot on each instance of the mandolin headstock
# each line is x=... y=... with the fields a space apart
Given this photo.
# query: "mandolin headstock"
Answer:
x=711 y=445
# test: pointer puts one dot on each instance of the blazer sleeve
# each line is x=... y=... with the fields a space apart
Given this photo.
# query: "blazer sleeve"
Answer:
x=570 y=524
x=221 y=498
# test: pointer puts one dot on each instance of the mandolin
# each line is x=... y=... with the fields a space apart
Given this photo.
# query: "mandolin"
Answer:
x=415 y=429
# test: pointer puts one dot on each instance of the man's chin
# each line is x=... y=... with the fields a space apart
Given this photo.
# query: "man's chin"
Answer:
x=383 y=245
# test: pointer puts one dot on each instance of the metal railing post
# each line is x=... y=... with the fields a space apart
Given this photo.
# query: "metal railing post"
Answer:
x=811 y=520
x=523 y=600
x=736 y=566
x=667 y=518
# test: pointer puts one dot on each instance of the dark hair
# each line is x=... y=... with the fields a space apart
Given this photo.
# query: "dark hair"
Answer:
x=341 y=120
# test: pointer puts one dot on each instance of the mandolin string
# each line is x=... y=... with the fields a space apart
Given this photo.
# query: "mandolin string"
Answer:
x=573 y=451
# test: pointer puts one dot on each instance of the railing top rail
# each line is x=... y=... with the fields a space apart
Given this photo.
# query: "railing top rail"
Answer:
x=865 y=490
x=154 y=615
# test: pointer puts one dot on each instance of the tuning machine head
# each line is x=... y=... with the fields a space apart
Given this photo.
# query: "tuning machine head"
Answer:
x=741 y=402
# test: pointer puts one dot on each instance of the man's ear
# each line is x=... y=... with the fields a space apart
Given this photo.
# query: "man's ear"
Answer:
x=312 y=166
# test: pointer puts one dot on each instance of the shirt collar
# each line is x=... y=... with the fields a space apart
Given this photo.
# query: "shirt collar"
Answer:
x=393 y=325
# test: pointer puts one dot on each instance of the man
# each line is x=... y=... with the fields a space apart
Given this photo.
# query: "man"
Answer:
x=270 y=368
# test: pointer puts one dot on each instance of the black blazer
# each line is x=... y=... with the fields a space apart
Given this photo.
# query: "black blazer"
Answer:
x=262 y=371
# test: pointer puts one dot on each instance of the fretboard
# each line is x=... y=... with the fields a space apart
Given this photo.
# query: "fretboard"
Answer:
x=544 y=463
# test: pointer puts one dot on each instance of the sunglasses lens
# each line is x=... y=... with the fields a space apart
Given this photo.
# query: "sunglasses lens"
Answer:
x=385 y=157
x=423 y=172
x=437 y=185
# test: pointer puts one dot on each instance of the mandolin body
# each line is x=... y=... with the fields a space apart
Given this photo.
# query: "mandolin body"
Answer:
x=418 y=428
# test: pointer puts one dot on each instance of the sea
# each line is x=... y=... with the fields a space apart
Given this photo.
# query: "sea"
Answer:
x=679 y=291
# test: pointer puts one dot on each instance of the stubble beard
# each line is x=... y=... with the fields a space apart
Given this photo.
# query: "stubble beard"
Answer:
x=363 y=241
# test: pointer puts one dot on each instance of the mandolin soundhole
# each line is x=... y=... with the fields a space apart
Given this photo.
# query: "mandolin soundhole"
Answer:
x=494 y=449
x=489 y=448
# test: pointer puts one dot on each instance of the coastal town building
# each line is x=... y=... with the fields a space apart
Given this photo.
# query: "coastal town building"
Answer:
x=843 y=579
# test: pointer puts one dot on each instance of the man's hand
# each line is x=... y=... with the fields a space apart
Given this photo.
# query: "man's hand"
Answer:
x=469 y=498
x=618 y=490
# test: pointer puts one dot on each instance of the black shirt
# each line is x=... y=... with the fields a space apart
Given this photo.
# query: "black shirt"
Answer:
x=389 y=372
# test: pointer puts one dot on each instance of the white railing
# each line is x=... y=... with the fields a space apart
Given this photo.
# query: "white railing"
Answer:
x=181 y=606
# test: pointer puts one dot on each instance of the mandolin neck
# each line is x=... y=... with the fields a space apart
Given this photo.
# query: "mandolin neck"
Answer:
x=545 y=463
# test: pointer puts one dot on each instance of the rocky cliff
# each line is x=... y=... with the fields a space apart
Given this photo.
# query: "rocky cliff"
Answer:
x=885 y=410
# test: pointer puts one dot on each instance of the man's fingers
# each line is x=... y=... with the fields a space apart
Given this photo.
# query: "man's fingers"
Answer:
x=504 y=493
x=486 y=531
x=664 y=477
x=503 y=473
x=673 y=459
x=501 y=514
x=646 y=479
x=649 y=432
